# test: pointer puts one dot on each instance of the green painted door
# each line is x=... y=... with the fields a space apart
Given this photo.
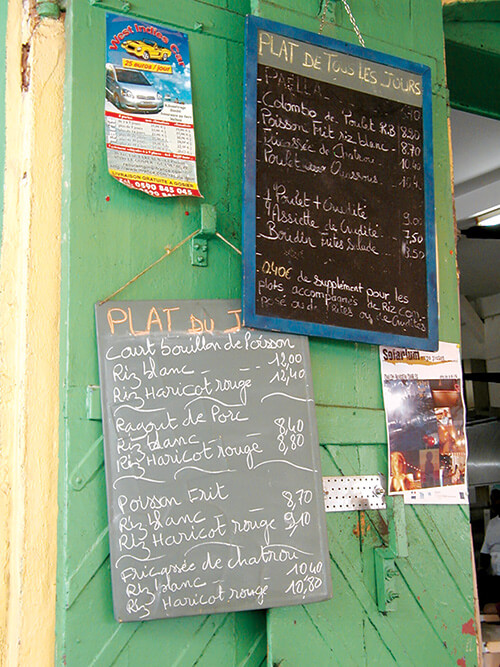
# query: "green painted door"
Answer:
x=110 y=234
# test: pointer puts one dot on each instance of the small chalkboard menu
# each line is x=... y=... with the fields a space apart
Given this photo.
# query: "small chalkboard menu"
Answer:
x=212 y=463
x=338 y=190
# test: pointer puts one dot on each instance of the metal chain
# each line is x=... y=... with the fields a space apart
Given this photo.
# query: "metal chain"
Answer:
x=323 y=16
x=353 y=21
x=349 y=14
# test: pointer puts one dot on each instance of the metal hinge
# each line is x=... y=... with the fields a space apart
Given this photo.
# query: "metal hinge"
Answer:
x=199 y=244
x=354 y=492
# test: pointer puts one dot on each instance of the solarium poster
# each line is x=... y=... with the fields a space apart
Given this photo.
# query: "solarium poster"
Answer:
x=148 y=108
x=425 y=419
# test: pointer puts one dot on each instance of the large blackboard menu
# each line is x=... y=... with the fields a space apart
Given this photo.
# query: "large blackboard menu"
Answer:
x=338 y=202
x=212 y=464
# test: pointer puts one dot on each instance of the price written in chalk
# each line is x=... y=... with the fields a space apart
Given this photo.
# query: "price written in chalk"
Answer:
x=288 y=367
x=341 y=156
x=200 y=418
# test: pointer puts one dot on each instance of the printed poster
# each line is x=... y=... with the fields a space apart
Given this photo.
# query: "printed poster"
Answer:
x=148 y=108
x=425 y=418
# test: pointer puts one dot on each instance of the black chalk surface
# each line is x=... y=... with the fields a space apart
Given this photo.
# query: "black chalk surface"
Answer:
x=339 y=226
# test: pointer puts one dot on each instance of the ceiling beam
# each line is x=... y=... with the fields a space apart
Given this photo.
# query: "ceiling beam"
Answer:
x=472 y=12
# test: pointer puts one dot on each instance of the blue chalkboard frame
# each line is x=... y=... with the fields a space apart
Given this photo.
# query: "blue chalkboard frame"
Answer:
x=250 y=317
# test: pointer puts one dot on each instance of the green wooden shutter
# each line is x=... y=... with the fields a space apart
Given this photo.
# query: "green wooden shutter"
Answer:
x=434 y=585
x=433 y=620
x=109 y=234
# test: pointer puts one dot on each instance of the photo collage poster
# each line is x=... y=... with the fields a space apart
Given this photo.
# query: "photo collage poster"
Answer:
x=425 y=418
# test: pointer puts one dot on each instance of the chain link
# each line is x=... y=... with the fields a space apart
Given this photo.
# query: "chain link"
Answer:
x=323 y=16
x=353 y=21
x=349 y=14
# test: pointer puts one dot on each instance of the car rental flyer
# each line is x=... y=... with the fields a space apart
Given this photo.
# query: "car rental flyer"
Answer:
x=148 y=108
x=425 y=418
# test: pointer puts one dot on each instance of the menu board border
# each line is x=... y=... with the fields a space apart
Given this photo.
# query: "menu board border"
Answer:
x=250 y=317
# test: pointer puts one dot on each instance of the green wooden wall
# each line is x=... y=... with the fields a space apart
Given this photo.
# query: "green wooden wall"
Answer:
x=110 y=233
x=472 y=39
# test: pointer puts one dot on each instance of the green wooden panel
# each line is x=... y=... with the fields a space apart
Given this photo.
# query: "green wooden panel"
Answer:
x=472 y=12
x=111 y=233
x=347 y=424
x=434 y=581
x=479 y=36
x=349 y=384
x=472 y=33
x=471 y=72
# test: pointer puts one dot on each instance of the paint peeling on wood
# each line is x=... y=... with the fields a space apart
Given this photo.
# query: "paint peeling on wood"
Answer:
x=469 y=628
x=25 y=67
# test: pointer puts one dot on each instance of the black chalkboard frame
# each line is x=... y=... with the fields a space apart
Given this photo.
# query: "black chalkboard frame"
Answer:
x=250 y=316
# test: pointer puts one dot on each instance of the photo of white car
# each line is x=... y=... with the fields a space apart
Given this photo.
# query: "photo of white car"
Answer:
x=130 y=90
